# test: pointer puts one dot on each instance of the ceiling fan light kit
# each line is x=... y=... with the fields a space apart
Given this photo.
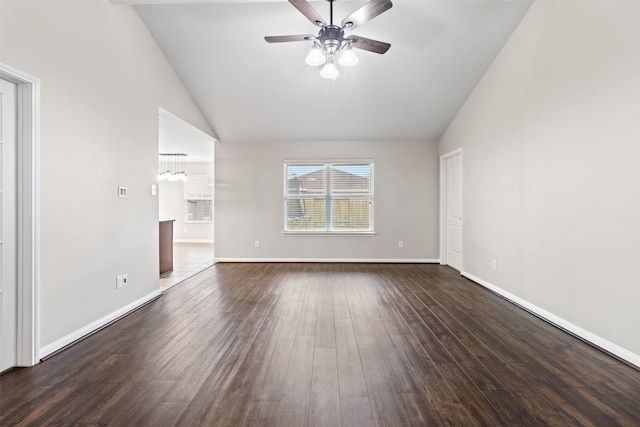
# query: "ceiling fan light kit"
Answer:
x=348 y=58
x=331 y=42
x=315 y=58
x=329 y=71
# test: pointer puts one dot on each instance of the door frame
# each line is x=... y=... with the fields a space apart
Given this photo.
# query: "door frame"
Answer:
x=28 y=196
x=443 y=205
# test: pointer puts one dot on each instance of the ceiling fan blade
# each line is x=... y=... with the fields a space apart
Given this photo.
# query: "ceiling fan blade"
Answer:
x=307 y=10
x=368 y=44
x=366 y=13
x=297 y=38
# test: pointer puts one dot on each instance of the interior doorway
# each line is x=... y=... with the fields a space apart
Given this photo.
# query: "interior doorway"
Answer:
x=187 y=202
x=22 y=204
x=8 y=225
x=451 y=209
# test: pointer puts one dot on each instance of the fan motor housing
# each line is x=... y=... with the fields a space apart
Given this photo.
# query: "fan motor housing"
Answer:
x=331 y=37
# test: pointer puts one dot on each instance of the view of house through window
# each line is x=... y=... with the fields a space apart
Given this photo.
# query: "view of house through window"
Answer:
x=328 y=197
x=198 y=195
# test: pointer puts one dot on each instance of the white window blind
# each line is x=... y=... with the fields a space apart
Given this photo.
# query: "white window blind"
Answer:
x=198 y=195
x=334 y=197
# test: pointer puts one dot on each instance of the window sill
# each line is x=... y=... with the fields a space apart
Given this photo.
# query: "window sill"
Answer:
x=329 y=233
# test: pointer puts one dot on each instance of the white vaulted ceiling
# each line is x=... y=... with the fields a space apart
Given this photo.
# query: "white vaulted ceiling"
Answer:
x=250 y=90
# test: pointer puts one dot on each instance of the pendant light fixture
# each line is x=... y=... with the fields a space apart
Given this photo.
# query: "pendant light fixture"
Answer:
x=172 y=167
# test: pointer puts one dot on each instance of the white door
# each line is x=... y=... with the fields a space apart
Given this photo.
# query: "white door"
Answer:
x=453 y=210
x=8 y=225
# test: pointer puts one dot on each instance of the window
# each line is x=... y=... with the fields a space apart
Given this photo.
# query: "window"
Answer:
x=328 y=198
x=198 y=196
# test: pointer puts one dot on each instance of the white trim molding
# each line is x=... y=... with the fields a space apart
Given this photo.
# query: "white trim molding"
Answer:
x=28 y=165
x=559 y=322
x=334 y=260
x=97 y=325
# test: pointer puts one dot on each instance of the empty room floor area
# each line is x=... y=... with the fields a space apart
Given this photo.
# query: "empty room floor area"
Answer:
x=293 y=344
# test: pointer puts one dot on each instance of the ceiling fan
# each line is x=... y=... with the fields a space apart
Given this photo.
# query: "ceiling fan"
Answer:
x=331 y=39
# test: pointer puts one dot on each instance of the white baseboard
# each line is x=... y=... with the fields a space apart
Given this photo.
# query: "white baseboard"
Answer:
x=192 y=240
x=559 y=322
x=94 y=326
x=333 y=260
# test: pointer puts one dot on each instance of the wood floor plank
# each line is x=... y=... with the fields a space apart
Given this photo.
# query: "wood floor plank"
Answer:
x=325 y=392
x=165 y=414
x=418 y=318
x=207 y=366
x=293 y=408
x=309 y=315
x=386 y=405
x=131 y=403
x=461 y=307
x=231 y=403
x=438 y=394
x=358 y=313
x=208 y=388
x=475 y=401
x=325 y=322
x=189 y=353
x=398 y=366
x=260 y=414
x=301 y=344
x=340 y=302
x=478 y=342
x=66 y=403
x=276 y=353
x=356 y=412
x=421 y=414
x=350 y=376
x=370 y=292
x=457 y=340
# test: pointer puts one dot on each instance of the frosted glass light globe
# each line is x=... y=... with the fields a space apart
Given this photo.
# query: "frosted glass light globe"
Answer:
x=329 y=71
x=315 y=58
x=348 y=58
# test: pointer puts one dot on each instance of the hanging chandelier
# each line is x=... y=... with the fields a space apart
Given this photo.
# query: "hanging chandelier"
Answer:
x=172 y=167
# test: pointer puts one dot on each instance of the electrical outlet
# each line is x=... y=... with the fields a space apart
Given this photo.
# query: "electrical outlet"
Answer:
x=119 y=282
x=125 y=280
x=494 y=264
x=256 y=244
x=400 y=244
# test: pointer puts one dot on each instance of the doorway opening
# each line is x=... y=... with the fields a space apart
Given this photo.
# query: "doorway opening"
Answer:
x=8 y=225
x=186 y=204
x=27 y=209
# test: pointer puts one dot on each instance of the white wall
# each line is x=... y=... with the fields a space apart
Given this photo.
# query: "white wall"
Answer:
x=172 y=206
x=102 y=80
x=249 y=201
x=551 y=179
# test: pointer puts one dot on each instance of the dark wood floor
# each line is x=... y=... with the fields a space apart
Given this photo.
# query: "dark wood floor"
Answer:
x=325 y=344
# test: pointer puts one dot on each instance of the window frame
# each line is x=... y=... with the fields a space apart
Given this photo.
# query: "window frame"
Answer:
x=188 y=199
x=328 y=197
